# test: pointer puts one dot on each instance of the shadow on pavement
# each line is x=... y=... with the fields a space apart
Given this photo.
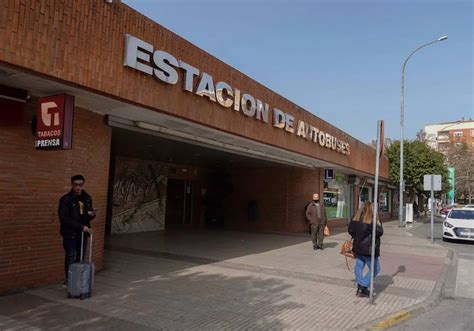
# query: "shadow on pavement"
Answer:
x=176 y=300
x=384 y=281
x=214 y=244
x=457 y=241
x=330 y=245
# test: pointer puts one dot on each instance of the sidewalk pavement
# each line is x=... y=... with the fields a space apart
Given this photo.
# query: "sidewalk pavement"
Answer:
x=211 y=280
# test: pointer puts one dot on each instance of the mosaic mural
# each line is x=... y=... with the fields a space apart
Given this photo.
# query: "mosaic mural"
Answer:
x=139 y=197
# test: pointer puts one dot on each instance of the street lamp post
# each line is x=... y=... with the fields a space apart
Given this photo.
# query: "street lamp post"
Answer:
x=402 y=119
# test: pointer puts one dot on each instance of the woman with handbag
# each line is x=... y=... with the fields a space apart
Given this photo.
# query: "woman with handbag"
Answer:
x=360 y=228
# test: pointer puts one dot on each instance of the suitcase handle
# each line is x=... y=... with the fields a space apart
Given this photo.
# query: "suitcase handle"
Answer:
x=82 y=246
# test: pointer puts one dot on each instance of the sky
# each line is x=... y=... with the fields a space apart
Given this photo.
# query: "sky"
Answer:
x=341 y=60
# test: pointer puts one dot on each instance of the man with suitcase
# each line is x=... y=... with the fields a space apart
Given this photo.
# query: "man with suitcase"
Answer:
x=75 y=213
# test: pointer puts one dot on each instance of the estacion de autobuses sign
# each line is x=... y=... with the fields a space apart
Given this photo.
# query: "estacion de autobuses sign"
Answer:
x=55 y=121
x=141 y=56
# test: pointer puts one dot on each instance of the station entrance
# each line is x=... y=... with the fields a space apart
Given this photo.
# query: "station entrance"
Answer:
x=179 y=203
x=159 y=184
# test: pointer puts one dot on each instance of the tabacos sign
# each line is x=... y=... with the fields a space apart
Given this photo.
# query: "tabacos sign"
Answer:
x=55 y=121
x=142 y=56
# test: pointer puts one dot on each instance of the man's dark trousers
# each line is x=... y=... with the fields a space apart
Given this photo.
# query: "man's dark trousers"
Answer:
x=72 y=250
x=317 y=234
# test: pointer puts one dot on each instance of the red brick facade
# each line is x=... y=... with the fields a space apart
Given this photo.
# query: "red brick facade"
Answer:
x=81 y=44
x=32 y=182
x=281 y=196
x=463 y=136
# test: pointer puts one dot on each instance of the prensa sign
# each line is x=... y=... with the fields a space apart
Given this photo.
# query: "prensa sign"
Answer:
x=55 y=121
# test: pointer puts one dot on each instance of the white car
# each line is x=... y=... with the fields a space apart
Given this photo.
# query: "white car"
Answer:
x=459 y=224
x=469 y=206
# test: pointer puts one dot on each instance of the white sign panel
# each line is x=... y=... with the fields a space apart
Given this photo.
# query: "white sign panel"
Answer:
x=436 y=182
x=409 y=213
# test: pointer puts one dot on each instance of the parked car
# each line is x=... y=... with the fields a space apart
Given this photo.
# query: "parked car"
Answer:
x=469 y=206
x=446 y=209
x=459 y=224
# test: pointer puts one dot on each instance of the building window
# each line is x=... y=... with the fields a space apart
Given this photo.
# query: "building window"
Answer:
x=395 y=201
x=472 y=133
x=457 y=134
x=335 y=197
x=365 y=194
x=384 y=201
x=443 y=135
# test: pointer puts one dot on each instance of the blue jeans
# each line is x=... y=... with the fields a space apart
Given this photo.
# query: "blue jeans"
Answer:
x=361 y=261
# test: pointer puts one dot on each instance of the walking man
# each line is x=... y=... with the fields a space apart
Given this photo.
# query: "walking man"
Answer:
x=415 y=209
x=316 y=215
x=75 y=213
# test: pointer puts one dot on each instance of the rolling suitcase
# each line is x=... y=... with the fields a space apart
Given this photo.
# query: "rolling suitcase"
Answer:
x=80 y=279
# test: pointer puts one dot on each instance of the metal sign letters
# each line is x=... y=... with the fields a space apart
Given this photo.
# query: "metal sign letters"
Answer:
x=142 y=56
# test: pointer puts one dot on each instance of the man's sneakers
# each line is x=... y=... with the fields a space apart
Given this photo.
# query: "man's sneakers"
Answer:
x=64 y=284
x=318 y=247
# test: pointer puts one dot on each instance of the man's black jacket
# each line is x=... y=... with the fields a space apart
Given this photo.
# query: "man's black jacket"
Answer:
x=362 y=234
x=69 y=212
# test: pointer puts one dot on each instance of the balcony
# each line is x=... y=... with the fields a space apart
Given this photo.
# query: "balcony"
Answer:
x=443 y=138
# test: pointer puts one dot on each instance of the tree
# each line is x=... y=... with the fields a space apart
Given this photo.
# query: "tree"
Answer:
x=461 y=158
x=421 y=135
x=419 y=160
x=387 y=142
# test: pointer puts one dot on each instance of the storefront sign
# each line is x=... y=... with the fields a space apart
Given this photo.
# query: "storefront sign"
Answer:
x=450 y=194
x=328 y=174
x=142 y=56
x=55 y=120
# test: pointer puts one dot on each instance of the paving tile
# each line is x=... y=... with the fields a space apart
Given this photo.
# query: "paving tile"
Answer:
x=274 y=282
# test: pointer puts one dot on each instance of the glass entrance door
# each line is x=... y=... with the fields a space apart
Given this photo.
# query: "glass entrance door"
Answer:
x=179 y=203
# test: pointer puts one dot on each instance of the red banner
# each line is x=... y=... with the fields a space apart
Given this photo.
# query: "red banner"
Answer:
x=55 y=121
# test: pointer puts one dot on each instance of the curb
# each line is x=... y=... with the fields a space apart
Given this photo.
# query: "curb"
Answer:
x=404 y=315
